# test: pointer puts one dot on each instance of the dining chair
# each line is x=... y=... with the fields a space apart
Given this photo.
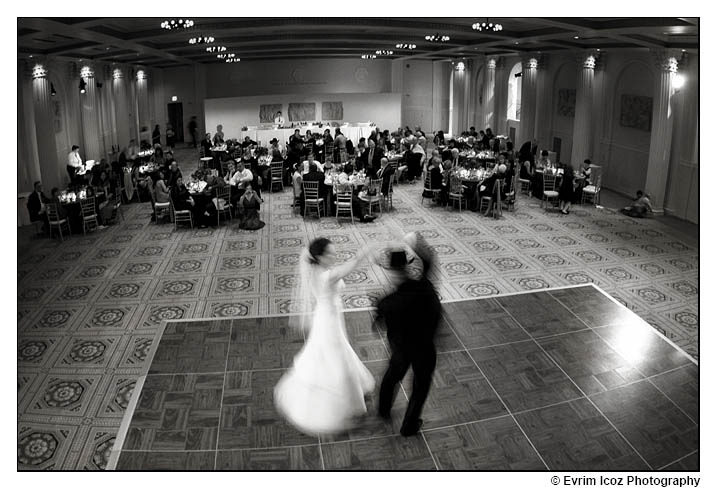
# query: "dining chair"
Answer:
x=549 y=188
x=181 y=216
x=159 y=208
x=493 y=200
x=54 y=220
x=592 y=192
x=89 y=214
x=329 y=153
x=511 y=195
x=373 y=199
x=389 y=196
x=312 y=199
x=223 y=202
x=456 y=192
x=428 y=188
x=343 y=201
x=275 y=175
x=203 y=159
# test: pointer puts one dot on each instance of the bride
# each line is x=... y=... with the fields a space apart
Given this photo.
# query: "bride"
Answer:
x=325 y=388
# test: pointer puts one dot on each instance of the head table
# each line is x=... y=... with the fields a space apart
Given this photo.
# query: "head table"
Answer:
x=264 y=136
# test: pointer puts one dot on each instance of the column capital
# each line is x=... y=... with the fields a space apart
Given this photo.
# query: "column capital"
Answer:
x=667 y=60
x=530 y=60
x=117 y=72
x=87 y=71
x=500 y=62
x=491 y=62
x=588 y=59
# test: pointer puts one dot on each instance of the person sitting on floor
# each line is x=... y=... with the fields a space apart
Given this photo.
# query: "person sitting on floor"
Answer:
x=640 y=207
x=249 y=205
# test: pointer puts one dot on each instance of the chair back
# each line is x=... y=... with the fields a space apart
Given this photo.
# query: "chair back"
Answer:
x=329 y=153
x=598 y=183
x=549 y=181
x=277 y=168
x=311 y=190
x=51 y=210
x=427 y=181
x=344 y=195
x=201 y=152
x=223 y=192
x=88 y=206
x=456 y=187
x=375 y=185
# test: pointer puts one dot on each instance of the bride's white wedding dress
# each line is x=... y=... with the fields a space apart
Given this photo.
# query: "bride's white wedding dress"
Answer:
x=325 y=387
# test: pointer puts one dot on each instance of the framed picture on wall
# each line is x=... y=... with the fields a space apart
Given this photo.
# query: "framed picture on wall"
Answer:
x=267 y=112
x=302 y=111
x=332 y=111
x=566 y=102
x=636 y=111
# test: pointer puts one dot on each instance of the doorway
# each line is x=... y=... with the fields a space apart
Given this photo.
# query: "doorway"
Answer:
x=174 y=112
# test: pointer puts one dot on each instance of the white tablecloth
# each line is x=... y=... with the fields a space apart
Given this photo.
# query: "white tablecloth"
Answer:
x=264 y=136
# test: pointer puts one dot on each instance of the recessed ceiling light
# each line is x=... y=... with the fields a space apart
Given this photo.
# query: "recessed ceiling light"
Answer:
x=575 y=37
x=598 y=49
x=682 y=50
x=516 y=42
x=31 y=55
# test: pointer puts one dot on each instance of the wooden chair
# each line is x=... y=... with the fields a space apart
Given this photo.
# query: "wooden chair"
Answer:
x=89 y=214
x=54 y=220
x=511 y=195
x=203 y=159
x=375 y=199
x=311 y=198
x=276 y=169
x=524 y=184
x=456 y=192
x=388 y=197
x=223 y=168
x=428 y=188
x=344 y=200
x=183 y=216
x=120 y=185
x=549 y=188
x=329 y=153
x=223 y=202
x=159 y=208
x=592 y=192
x=493 y=200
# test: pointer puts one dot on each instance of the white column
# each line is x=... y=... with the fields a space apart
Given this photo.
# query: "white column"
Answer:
x=440 y=96
x=488 y=102
x=527 y=124
x=91 y=149
x=143 y=101
x=662 y=129
x=122 y=110
x=583 y=119
x=53 y=173
x=501 y=90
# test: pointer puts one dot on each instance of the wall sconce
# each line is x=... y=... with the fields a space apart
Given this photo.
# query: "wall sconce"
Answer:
x=174 y=98
x=82 y=86
x=39 y=71
x=116 y=73
x=52 y=90
x=678 y=82
x=141 y=75
x=460 y=66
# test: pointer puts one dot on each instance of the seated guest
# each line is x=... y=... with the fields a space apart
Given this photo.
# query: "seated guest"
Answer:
x=361 y=147
x=314 y=175
x=510 y=151
x=485 y=140
x=275 y=150
x=294 y=156
x=472 y=132
x=36 y=203
x=133 y=153
x=640 y=207
x=296 y=137
x=159 y=158
x=218 y=136
x=509 y=175
x=385 y=173
x=439 y=138
x=414 y=158
x=181 y=198
x=162 y=192
x=544 y=161
x=248 y=142
x=249 y=205
x=309 y=143
x=306 y=164
x=174 y=173
x=207 y=144
x=586 y=171
x=240 y=179
x=421 y=141
x=55 y=199
x=470 y=144
x=435 y=176
x=487 y=187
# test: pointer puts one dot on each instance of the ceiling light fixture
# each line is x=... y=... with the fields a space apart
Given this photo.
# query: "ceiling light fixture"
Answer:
x=405 y=46
x=487 y=26
x=202 y=40
x=232 y=60
x=575 y=37
x=678 y=82
x=173 y=24
x=216 y=49
x=225 y=55
x=460 y=66
x=437 y=38
x=368 y=56
x=384 y=52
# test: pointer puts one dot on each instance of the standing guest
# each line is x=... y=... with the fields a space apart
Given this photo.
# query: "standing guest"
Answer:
x=133 y=153
x=435 y=177
x=340 y=146
x=170 y=136
x=472 y=132
x=361 y=147
x=370 y=159
x=279 y=119
x=74 y=164
x=411 y=315
x=566 y=191
x=422 y=140
x=156 y=135
x=36 y=203
x=372 y=136
x=192 y=127
x=174 y=173
x=297 y=136
x=249 y=205
x=207 y=144
x=218 y=136
x=297 y=181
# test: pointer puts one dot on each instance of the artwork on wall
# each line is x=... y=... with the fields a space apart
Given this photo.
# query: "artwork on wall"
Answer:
x=566 y=102
x=267 y=112
x=636 y=111
x=332 y=111
x=302 y=111
x=57 y=116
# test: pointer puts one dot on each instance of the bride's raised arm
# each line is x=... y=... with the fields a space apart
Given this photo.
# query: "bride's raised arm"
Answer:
x=345 y=269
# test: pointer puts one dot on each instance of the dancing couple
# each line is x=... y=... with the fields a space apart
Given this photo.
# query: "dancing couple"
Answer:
x=324 y=391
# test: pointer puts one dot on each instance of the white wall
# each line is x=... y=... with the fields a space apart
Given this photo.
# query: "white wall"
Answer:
x=234 y=112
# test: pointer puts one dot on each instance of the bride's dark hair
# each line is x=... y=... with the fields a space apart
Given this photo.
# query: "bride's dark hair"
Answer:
x=317 y=248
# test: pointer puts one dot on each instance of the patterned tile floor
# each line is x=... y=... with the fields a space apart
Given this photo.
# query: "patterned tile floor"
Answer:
x=561 y=380
x=88 y=308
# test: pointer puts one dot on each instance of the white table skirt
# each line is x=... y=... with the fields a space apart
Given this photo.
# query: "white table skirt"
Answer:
x=264 y=136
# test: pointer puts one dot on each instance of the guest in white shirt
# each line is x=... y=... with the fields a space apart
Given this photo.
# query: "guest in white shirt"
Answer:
x=279 y=119
x=74 y=163
x=240 y=179
x=308 y=162
x=133 y=152
x=218 y=136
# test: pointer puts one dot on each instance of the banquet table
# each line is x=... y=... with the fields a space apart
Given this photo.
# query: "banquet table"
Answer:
x=264 y=136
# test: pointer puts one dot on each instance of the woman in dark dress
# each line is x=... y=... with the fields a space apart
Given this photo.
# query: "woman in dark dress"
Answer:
x=249 y=210
x=566 y=192
x=170 y=136
x=156 y=135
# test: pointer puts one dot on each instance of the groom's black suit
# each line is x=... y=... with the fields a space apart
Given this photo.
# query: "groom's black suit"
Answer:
x=411 y=315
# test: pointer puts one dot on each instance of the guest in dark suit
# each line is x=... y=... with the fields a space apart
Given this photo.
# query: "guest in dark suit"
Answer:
x=314 y=175
x=370 y=160
x=36 y=203
x=411 y=315
x=207 y=144
x=385 y=173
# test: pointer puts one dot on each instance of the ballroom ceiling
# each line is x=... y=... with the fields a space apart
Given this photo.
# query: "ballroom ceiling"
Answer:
x=143 y=41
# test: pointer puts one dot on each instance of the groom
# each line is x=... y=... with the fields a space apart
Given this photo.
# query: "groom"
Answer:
x=411 y=314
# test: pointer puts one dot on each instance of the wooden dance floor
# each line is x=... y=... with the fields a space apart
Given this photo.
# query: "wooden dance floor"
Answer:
x=561 y=380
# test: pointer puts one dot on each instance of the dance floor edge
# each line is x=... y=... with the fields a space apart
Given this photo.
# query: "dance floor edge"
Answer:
x=562 y=379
